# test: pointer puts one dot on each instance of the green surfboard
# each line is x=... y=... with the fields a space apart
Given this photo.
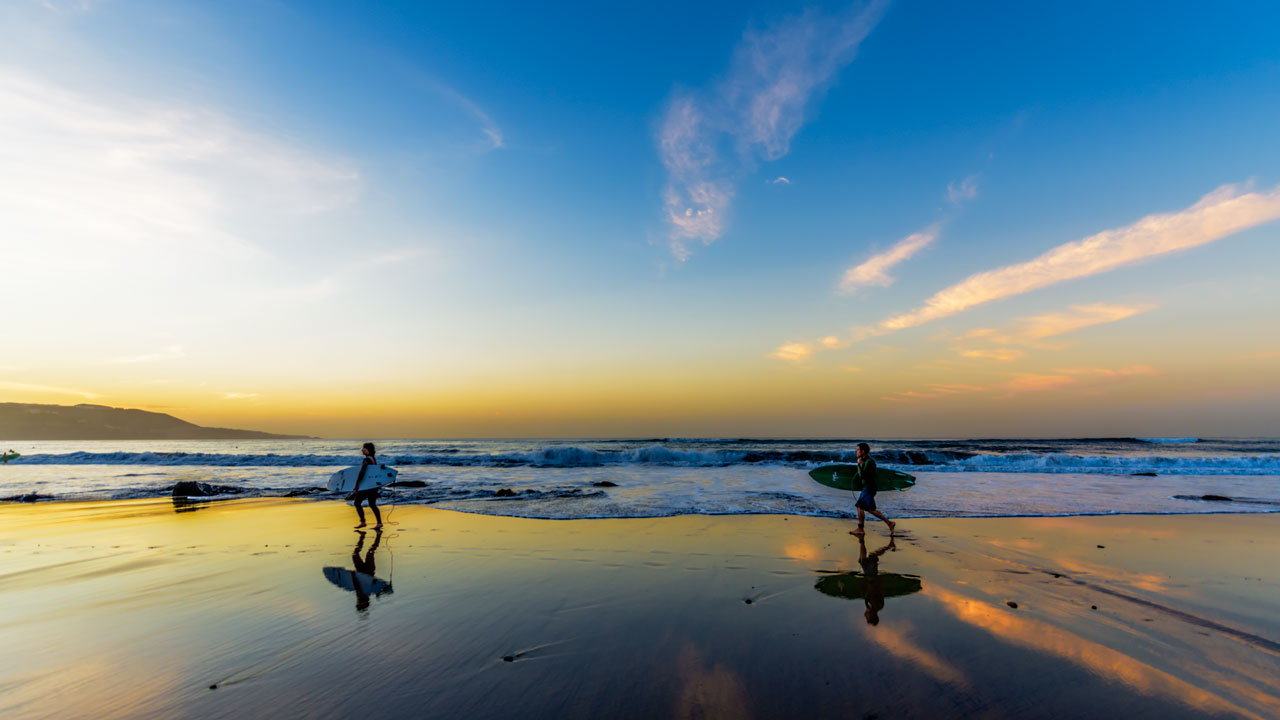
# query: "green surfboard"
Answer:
x=846 y=477
x=853 y=586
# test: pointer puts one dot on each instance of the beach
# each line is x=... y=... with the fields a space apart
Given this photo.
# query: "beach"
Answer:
x=272 y=607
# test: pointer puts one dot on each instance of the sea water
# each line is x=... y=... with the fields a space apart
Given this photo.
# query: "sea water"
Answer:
x=672 y=476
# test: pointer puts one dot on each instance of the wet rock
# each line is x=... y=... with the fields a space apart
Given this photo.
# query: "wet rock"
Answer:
x=505 y=492
x=508 y=658
x=1216 y=498
x=28 y=497
x=191 y=488
x=1093 y=607
x=605 y=483
x=747 y=601
x=408 y=483
x=1148 y=474
x=1012 y=604
x=1102 y=547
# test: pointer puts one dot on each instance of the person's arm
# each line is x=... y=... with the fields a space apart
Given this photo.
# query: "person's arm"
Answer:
x=364 y=465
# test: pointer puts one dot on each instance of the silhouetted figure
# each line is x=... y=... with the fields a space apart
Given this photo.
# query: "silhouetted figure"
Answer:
x=874 y=595
x=365 y=566
x=370 y=495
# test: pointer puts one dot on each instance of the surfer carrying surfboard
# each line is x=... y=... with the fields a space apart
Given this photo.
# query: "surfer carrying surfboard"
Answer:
x=370 y=495
x=867 y=500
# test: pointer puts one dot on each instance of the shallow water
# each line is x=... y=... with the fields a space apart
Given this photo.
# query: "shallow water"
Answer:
x=651 y=478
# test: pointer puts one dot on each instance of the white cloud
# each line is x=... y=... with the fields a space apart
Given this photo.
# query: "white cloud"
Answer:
x=1031 y=331
x=963 y=191
x=1221 y=213
x=874 y=270
x=759 y=106
x=780 y=180
x=239 y=396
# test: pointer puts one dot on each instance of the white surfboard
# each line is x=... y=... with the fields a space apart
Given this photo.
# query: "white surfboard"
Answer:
x=375 y=477
x=353 y=581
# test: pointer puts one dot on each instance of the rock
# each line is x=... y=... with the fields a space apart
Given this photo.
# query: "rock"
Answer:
x=1143 y=474
x=1102 y=547
x=1216 y=498
x=1093 y=607
x=408 y=484
x=1012 y=604
x=605 y=483
x=191 y=488
x=508 y=658
x=747 y=601
x=29 y=497
x=505 y=492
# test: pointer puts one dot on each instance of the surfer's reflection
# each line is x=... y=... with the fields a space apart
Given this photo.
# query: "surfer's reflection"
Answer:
x=870 y=585
x=362 y=578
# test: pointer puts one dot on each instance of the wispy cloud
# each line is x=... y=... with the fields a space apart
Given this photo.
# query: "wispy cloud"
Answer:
x=793 y=352
x=1064 y=377
x=46 y=389
x=139 y=172
x=709 y=139
x=172 y=352
x=961 y=192
x=874 y=271
x=239 y=396
x=1221 y=213
x=1032 y=331
x=780 y=180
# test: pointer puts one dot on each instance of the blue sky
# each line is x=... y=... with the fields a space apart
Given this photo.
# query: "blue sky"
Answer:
x=495 y=195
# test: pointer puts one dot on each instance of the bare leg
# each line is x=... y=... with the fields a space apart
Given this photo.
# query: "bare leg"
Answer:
x=883 y=519
x=862 y=518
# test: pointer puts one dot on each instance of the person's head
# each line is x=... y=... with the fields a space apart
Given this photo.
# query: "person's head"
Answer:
x=863 y=450
x=368 y=449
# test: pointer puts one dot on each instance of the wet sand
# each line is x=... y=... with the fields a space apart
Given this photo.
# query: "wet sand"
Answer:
x=269 y=608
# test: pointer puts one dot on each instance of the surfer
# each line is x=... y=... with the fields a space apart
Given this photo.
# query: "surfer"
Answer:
x=370 y=495
x=867 y=500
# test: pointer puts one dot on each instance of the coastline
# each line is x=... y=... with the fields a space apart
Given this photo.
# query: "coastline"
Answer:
x=136 y=608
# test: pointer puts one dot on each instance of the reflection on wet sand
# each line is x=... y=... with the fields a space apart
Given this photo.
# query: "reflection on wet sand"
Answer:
x=870 y=585
x=362 y=577
x=1098 y=659
x=709 y=692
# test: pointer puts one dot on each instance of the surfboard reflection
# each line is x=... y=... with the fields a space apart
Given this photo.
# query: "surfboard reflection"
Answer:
x=362 y=578
x=871 y=586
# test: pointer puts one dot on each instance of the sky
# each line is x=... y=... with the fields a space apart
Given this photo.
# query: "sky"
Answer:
x=748 y=219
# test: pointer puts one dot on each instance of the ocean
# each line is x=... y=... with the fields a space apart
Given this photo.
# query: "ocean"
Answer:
x=672 y=476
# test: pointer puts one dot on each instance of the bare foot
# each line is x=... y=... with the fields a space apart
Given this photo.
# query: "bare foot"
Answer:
x=857 y=531
x=891 y=525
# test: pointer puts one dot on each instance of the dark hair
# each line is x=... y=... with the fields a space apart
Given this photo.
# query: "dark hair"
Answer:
x=369 y=447
x=863 y=447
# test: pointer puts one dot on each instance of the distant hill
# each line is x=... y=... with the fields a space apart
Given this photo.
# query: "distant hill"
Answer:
x=23 y=421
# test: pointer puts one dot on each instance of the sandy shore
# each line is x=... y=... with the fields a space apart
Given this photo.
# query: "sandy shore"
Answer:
x=268 y=608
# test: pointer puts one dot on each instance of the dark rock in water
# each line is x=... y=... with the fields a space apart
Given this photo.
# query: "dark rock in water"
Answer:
x=1216 y=498
x=1143 y=474
x=304 y=491
x=605 y=483
x=408 y=484
x=747 y=601
x=1012 y=604
x=1102 y=547
x=508 y=658
x=505 y=492
x=191 y=488
x=29 y=497
x=1093 y=607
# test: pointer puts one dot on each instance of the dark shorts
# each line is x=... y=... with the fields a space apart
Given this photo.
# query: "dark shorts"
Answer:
x=866 y=501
